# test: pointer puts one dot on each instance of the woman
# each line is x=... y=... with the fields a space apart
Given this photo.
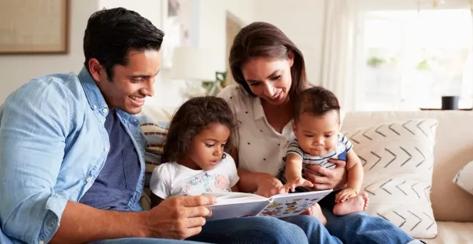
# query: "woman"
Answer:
x=270 y=73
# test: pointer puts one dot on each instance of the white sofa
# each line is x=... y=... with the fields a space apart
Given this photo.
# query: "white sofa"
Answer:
x=452 y=207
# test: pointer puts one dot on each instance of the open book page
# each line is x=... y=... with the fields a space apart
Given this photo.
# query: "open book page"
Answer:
x=237 y=197
x=239 y=204
x=289 y=204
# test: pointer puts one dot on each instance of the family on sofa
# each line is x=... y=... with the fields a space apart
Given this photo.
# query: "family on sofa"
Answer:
x=72 y=153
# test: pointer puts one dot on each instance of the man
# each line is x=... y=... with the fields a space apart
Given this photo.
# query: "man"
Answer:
x=71 y=153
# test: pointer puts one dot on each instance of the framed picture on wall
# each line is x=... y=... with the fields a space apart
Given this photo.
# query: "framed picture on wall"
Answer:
x=33 y=26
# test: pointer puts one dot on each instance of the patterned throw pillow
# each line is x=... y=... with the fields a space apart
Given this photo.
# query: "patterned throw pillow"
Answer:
x=464 y=178
x=398 y=161
x=155 y=136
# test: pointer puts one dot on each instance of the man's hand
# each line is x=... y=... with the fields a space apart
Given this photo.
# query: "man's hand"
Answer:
x=323 y=178
x=269 y=186
x=178 y=217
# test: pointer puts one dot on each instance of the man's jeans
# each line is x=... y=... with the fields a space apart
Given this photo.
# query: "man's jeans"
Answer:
x=362 y=228
x=297 y=230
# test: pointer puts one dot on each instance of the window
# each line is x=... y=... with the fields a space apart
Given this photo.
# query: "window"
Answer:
x=411 y=58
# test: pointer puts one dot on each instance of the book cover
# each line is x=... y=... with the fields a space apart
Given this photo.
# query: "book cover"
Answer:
x=239 y=204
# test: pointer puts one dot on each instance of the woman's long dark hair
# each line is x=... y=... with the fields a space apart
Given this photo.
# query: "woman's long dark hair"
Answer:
x=261 y=39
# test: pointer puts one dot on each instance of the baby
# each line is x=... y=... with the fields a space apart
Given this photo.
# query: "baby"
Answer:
x=318 y=139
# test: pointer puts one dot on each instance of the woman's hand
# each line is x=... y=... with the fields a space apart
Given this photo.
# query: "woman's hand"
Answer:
x=323 y=178
x=268 y=186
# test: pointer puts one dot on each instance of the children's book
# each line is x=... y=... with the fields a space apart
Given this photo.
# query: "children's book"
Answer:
x=239 y=204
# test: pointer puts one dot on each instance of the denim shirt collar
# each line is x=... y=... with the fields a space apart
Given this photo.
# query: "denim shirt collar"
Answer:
x=93 y=93
x=96 y=99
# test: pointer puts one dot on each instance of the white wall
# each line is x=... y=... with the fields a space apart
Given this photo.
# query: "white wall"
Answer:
x=150 y=9
x=210 y=24
x=15 y=70
x=409 y=4
x=212 y=17
x=302 y=22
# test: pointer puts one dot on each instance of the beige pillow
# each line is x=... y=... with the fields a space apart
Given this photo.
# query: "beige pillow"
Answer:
x=464 y=178
x=398 y=160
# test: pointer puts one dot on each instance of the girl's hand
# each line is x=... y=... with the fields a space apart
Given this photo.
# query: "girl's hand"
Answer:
x=323 y=178
x=269 y=186
x=291 y=185
x=345 y=194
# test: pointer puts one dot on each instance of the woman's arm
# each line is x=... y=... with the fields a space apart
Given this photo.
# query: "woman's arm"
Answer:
x=261 y=183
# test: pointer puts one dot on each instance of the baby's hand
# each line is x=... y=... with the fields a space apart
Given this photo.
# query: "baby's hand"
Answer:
x=345 y=194
x=291 y=185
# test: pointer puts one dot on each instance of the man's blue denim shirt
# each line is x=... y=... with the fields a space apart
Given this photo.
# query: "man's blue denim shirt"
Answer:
x=53 y=144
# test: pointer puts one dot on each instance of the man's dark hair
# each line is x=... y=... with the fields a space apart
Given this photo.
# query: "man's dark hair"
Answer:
x=316 y=101
x=195 y=115
x=111 y=33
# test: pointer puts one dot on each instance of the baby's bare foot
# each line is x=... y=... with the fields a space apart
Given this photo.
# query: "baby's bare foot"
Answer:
x=354 y=204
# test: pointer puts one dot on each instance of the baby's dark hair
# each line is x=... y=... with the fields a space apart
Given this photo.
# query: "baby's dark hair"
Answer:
x=190 y=119
x=316 y=101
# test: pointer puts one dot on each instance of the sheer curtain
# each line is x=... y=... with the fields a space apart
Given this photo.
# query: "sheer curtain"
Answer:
x=338 y=66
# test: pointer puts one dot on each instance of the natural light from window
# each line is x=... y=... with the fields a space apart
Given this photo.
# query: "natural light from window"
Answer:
x=412 y=58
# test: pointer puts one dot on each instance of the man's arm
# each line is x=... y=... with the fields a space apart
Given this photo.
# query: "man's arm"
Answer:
x=175 y=217
x=34 y=124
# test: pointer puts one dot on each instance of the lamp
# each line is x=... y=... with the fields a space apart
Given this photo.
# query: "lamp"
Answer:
x=197 y=64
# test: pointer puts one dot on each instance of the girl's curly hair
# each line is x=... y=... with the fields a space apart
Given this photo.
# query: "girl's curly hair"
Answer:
x=190 y=119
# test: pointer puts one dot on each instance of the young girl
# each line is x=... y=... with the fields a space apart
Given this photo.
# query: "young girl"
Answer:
x=318 y=139
x=194 y=156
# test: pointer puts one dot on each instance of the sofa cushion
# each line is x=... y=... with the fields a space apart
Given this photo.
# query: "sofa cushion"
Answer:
x=453 y=147
x=452 y=232
x=464 y=178
x=398 y=159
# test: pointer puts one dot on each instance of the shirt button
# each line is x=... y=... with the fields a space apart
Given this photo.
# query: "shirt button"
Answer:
x=51 y=223
x=105 y=110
